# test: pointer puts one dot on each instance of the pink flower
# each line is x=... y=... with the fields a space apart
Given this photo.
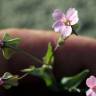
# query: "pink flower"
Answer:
x=91 y=83
x=90 y=92
x=63 y=21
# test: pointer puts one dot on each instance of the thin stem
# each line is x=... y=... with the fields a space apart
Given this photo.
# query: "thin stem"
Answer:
x=23 y=76
x=26 y=53
x=57 y=45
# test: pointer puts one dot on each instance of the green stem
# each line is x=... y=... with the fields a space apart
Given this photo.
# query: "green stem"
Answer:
x=55 y=86
x=57 y=45
x=25 y=53
x=23 y=76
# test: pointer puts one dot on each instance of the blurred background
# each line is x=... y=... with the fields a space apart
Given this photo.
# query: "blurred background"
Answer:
x=37 y=14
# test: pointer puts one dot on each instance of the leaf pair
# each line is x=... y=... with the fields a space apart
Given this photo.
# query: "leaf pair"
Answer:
x=9 y=43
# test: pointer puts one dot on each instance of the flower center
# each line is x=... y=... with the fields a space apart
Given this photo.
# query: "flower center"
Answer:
x=67 y=22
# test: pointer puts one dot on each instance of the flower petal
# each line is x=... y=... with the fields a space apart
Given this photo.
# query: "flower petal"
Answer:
x=57 y=26
x=91 y=82
x=57 y=14
x=66 y=31
x=72 y=16
x=90 y=92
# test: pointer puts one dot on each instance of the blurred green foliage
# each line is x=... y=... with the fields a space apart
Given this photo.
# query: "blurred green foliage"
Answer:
x=37 y=13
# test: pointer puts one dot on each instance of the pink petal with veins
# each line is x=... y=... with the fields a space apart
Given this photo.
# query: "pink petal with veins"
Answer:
x=91 y=82
x=58 y=14
x=57 y=26
x=72 y=16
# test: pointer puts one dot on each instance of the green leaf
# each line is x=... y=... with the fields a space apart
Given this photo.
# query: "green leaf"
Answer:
x=33 y=71
x=71 y=83
x=6 y=37
x=7 y=53
x=48 y=58
x=10 y=80
x=9 y=43
x=7 y=75
x=48 y=78
x=75 y=28
x=13 y=81
x=13 y=42
x=44 y=73
x=10 y=83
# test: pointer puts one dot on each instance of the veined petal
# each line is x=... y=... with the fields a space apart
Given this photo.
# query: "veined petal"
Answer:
x=72 y=16
x=74 y=21
x=91 y=82
x=57 y=14
x=58 y=26
x=90 y=92
x=66 y=31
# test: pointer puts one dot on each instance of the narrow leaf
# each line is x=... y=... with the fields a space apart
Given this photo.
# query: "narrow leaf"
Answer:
x=48 y=58
x=7 y=53
x=48 y=78
x=71 y=83
x=6 y=37
x=13 y=42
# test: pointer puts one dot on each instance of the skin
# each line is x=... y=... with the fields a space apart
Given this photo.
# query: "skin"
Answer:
x=76 y=54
